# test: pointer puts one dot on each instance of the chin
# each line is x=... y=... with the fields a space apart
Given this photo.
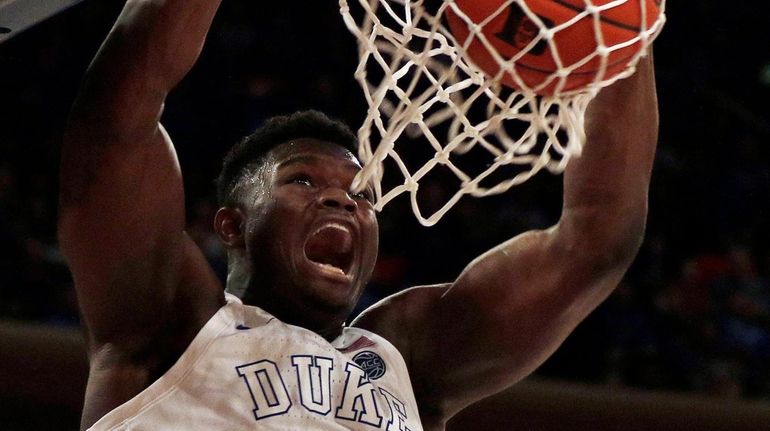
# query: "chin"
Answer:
x=331 y=296
x=336 y=286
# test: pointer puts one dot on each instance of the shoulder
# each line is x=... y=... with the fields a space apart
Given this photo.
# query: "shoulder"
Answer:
x=396 y=317
x=119 y=371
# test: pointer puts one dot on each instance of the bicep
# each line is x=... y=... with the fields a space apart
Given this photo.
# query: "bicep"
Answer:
x=121 y=229
x=506 y=313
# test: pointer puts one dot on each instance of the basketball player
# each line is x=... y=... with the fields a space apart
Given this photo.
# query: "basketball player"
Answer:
x=170 y=350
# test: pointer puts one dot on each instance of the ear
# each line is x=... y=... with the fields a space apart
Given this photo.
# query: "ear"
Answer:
x=229 y=224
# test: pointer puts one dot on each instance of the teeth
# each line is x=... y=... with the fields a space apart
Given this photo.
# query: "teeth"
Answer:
x=332 y=268
x=327 y=246
x=332 y=225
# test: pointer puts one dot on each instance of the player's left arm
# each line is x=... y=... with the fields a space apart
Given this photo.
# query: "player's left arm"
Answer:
x=514 y=305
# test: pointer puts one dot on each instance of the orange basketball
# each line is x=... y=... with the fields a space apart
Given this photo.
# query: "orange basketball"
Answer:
x=511 y=30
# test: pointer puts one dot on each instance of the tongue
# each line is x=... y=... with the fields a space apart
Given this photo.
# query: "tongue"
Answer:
x=330 y=245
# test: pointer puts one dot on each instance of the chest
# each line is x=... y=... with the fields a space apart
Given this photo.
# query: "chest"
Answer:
x=290 y=377
x=258 y=373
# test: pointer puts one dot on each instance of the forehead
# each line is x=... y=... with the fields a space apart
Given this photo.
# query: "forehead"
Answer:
x=307 y=150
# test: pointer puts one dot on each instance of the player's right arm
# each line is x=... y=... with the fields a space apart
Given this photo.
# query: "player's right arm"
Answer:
x=122 y=218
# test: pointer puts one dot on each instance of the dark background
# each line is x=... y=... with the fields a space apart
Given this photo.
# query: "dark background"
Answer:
x=693 y=314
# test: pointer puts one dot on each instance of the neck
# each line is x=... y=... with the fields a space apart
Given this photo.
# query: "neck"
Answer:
x=273 y=297
x=305 y=314
x=238 y=277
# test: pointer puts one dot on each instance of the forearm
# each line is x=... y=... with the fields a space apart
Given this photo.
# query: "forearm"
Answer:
x=606 y=189
x=115 y=119
x=151 y=47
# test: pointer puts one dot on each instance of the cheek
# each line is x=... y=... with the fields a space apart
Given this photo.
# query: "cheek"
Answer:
x=262 y=224
x=372 y=233
x=259 y=217
x=285 y=221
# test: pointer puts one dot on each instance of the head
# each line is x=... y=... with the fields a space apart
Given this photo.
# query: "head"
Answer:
x=300 y=243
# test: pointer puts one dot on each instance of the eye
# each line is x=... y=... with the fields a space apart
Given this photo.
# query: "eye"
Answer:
x=364 y=194
x=301 y=179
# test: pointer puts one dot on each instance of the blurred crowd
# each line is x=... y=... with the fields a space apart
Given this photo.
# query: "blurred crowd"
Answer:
x=693 y=313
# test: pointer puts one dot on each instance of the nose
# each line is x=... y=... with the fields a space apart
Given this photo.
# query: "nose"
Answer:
x=335 y=198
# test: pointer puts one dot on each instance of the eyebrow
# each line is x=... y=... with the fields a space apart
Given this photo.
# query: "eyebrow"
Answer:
x=306 y=158
x=312 y=160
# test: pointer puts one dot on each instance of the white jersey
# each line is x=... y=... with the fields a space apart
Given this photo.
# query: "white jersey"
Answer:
x=247 y=370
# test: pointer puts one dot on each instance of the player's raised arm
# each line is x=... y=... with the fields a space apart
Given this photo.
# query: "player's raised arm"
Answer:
x=514 y=305
x=122 y=216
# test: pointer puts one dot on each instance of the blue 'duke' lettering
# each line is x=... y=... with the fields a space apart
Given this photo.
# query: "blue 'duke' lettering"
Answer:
x=266 y=387
x=360 y=400
x=314 y=376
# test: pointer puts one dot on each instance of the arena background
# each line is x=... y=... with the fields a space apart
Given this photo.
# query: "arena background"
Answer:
x=684 y=343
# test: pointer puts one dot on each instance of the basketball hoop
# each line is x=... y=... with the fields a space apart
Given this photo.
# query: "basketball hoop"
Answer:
x=435 y=73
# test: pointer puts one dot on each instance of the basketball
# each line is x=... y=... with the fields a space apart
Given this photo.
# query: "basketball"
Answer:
x=509 y=30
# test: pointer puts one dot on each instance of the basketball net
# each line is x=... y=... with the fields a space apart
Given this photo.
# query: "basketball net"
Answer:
x=420 y=84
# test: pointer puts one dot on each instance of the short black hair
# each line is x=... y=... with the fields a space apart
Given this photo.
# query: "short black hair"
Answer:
x=250 y=152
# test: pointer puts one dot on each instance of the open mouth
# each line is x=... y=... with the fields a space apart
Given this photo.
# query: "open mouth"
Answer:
x=330 y=249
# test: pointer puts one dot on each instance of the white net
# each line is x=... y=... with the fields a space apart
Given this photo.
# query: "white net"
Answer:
x=457 y=77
